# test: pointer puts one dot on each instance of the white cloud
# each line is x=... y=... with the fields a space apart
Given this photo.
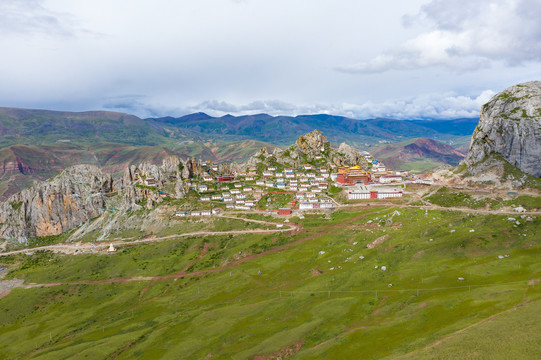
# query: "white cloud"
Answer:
x=465 y=35
x=32 y=17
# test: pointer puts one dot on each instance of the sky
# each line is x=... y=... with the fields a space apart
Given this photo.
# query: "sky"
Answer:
x=402 y=59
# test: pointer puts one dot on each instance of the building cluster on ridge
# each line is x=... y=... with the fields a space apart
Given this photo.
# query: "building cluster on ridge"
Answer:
x=307 y=187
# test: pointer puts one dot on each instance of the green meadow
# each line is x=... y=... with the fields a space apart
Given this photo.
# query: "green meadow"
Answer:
x=450 y=284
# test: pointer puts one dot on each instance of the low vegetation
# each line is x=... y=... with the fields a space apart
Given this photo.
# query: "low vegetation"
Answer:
x=323 y=295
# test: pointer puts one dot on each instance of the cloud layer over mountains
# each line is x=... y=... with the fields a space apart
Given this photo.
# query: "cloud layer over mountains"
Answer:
x=401 y=59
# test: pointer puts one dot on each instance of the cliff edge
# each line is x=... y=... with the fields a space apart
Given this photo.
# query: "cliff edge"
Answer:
x=509 y=125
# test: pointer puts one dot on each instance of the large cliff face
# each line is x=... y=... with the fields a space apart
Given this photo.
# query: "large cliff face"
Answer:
x=82 y=192
x=510 y=125
x=49 y=208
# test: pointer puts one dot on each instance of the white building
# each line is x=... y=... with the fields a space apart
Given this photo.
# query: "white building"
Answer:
x=203 y=187
x=358 y=195
x=387 y=179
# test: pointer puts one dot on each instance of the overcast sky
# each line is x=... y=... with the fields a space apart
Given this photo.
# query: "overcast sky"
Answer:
x=359 y=58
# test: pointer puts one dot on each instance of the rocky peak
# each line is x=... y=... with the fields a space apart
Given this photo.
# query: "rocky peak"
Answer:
x=313 y=142
x=351 y=155
x=510 y=125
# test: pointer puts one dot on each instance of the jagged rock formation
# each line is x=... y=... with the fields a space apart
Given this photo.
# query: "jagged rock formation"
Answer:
x=144 y=181
x=313 y=142
x=351 y=156
x=510 y=125
x=310 y=148
x=51 y=207
x=78 y=194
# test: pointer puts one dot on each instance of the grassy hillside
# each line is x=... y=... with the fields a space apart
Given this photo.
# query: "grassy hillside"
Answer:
x=238 y=297
x=419 y=154
x=337 y=128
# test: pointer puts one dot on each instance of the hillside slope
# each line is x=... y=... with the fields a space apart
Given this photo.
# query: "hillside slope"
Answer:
x=417 y=154
x=337 y=128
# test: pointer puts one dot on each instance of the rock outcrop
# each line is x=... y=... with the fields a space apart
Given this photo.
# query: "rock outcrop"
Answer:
x=509 y=125
x=313 y=142
x=51 y=207
x=82 y=192
x=312 y=148
x=144 y=182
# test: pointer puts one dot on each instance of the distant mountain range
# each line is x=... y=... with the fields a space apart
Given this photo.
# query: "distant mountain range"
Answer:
x=283 y=130
x=37 y=144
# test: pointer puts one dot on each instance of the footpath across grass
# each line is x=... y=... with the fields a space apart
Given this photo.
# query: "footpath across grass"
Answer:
x=424 y=277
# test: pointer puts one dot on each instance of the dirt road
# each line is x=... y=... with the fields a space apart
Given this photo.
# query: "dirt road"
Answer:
x=81 y=248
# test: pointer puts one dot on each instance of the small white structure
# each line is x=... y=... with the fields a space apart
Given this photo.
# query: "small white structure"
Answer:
x=389 y=178
x=111 y=249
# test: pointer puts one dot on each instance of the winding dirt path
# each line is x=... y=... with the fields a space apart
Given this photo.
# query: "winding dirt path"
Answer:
x=183 y=273
x=71 y=248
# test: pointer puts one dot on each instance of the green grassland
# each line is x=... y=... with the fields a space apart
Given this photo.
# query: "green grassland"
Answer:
x=448 y=198
x=325 y=305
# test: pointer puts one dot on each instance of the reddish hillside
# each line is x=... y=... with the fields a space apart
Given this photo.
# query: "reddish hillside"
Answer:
x=421 y=153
